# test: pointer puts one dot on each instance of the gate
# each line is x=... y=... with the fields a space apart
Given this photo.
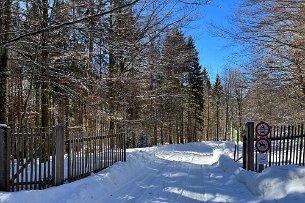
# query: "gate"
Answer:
x=29 y=160
x=90 y=151
x=287 y=147
x=35 y=158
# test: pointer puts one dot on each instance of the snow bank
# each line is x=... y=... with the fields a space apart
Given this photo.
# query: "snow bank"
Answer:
x=161 y=168
x=89 y=189
x=285 y=183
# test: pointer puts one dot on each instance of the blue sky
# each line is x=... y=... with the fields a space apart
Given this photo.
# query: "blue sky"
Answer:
x=214 y=52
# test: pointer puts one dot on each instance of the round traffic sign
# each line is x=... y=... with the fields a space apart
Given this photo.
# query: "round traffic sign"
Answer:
x=262 y=129
x=262 y=145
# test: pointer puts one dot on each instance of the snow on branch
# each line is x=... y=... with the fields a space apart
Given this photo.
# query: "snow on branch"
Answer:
x=65 y=24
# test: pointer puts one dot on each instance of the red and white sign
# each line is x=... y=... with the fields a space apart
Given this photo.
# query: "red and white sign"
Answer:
x=262 y=129
x=262 y=145
x=262 y=158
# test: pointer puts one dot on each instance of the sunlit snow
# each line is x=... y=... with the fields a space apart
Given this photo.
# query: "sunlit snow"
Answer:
x=194 y=172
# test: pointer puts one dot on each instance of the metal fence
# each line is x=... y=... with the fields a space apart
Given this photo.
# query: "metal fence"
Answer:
x=287 y=147
x=40 y=158
x=90 y=151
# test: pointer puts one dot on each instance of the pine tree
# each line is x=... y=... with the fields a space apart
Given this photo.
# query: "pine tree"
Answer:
x=196 y=88
x=174 y=79
x=217 y=93
x=206 y=84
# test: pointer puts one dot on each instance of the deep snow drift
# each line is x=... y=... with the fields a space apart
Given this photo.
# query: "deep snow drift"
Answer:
x=194 y=172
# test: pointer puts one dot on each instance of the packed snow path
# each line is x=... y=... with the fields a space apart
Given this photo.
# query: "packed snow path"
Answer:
x=194 y=172
x=182 y=174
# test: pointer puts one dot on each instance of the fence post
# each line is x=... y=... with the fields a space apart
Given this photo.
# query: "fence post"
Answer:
x=245 y=153
x=59 y=157
x=249 y=146
x=124 y=145
x=4 y=158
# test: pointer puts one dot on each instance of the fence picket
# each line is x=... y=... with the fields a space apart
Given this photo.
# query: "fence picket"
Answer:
x=303 y=146
x=82 y=159
x=35 y=159
x=291 y=145
x=296 y=149
x=40 y=161
x=13 y=142
x=31 y=146
x=49 y=158
x=277 y=146
x=26 y=158
x=45 y=158
x=53 y=157
x=271 y=150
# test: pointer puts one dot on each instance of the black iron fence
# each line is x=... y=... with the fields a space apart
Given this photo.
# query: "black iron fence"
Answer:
x=40 y=158
x=287 y=146
x=90 y=151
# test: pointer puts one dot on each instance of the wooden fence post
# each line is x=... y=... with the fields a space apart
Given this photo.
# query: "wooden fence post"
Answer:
x=59 y=157
x=249 y=148
x=4 y=158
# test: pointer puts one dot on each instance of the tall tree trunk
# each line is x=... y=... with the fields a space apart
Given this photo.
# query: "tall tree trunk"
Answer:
x=196 y=137
x=181 y=124
x=208 y=121
x=217 y=123
x=161 y=134
x=170 y=139
x=188 y=128
x=227 y=112
x=45 y=70
x=177 y=130
x=5 y=16
x=155 y=134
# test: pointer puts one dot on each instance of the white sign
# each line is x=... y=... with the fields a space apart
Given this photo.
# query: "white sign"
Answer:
x=262 y=158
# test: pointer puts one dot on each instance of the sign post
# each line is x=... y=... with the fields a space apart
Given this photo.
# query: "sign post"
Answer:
x=248 y=147
x=262 y=145
x=236 y=139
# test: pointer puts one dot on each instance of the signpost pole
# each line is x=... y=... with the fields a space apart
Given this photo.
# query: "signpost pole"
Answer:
x=262 y=145
x=236 y=139
x=250 y=144
x=261 y=168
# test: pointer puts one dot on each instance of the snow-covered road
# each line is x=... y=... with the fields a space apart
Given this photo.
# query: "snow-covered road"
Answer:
x=189 y=174
x=194 y=172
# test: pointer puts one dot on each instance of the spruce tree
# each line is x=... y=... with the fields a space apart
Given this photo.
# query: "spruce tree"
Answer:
x=174 y=79
x=206 y=91
x=217 y=97
x=196 y=87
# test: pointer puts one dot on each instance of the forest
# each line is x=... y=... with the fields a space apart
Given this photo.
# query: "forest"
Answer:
x=127 y=65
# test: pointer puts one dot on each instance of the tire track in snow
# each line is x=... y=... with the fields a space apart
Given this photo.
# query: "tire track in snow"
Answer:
x=145 y=177
x=174 y=176
x=187 y=180
x=169 y=168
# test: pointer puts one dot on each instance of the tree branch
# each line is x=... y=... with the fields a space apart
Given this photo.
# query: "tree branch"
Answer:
x=64 y=24
x=198 y=2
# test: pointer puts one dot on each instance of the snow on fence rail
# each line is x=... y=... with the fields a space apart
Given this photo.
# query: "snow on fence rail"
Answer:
x=41 y=158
